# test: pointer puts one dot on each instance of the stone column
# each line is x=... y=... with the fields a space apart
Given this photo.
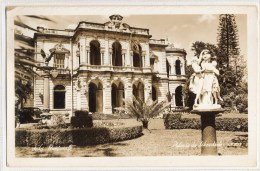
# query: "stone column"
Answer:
x=208 y=130
x=102 y=51
x=143 y=58
x=82 y=49
x=155 y=65
x=87 y=56
x=173 y=103
x=107 y=98
x=110 y=56
x=123 y=58
x=208 y=134
x=128 y=89
x=142 y=61
x=120 y=97
x=99 y=100
x=131 y=58
x=78 y=99
x=68 y=62
x=173 y=68
x=46 y=93
x=147 y=90
x=85 y=99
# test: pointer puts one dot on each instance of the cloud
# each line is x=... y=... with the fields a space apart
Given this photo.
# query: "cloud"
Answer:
x=207 y=18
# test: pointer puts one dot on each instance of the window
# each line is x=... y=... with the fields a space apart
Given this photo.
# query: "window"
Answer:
x=59 y=97
x=137 y=55
x=178 y=67
x=59 y=60
x=154 y=93
x=117 y=54
x=95 y=58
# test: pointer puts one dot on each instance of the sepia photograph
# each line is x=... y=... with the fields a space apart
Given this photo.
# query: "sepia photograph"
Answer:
x=117 y=84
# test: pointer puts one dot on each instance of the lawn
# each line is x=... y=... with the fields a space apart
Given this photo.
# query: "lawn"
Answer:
x=156 y=142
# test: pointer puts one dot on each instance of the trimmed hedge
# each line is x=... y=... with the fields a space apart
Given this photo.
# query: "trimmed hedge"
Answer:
x=79 y=136
x=81 y=121
x=176 y=121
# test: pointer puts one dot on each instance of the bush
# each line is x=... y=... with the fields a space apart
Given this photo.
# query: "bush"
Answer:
x=176 y=121
x=81 y=120
x=78 y=136
x=81 y=113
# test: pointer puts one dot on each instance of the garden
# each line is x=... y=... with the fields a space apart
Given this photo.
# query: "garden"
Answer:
x=134 y=131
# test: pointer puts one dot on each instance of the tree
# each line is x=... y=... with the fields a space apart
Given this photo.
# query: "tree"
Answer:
x=24 y=60
x=144 y=111
x=232 y=65
x=227 y=39
x=198 y=46
x=22 y=92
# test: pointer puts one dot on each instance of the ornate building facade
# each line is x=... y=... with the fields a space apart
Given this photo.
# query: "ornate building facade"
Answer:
x=99 y=65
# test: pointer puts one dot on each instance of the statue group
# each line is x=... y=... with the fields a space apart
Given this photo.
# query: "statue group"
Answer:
x=204 y=82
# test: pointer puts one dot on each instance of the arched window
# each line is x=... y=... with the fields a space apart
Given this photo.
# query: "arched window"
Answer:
x=138 y=91
x=117 y=54
x=154 y=93
x=117 y=95
x=178 y=96
x=59 y=97
x=137 y=55
x=95 y=58
x=178 y=67
x=95 y=97
x=168 y=68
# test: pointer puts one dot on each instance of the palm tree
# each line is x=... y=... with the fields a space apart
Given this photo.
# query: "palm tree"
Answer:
x=144 y=111
x=25 y=63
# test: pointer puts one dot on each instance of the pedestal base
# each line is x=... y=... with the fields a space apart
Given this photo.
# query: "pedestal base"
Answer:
x=207 y=107
x=208 y=131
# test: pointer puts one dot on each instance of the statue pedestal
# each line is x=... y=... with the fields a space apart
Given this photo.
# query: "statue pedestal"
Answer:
x=208 y=128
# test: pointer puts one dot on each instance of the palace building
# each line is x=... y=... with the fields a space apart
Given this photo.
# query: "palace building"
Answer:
x=97 y=65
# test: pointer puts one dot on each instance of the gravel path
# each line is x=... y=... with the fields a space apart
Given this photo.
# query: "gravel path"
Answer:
x=156 y=142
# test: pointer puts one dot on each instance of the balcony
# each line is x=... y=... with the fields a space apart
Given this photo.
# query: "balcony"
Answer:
x=55 y=31
x=63 y=71
x=115 y=68
x=157 y=42
x=89 y=25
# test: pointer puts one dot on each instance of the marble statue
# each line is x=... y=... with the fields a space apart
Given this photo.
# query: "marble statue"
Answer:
x=204 y=82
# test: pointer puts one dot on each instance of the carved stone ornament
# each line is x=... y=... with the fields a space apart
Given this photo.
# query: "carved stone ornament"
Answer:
x=59 y=48
x=204 y=82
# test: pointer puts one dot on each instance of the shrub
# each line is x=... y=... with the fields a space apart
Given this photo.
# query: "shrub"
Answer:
x=144 y=111
x=81 y=113
x=78 y=136
x=58 y=121
x=81 y=120
x=176 y=121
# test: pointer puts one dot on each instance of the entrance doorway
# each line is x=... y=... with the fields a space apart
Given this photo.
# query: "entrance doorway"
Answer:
x=138 y=91
x=117 y=94
x=178 y=96
x=59 y=97
x=95 y=97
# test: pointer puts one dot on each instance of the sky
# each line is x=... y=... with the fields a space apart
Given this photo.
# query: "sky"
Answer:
x=181 y=30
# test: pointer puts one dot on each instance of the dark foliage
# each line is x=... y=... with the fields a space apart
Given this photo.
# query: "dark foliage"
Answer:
x=81 y=113
x=79 y=137
x=81 y=122
x=176 y=121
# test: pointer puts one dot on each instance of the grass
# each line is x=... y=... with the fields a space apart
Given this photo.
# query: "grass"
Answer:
x=156 y=142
